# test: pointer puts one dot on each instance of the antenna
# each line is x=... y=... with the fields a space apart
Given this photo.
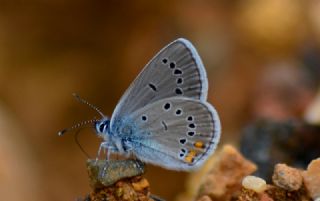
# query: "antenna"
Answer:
x=76 y=126
x=81 y=100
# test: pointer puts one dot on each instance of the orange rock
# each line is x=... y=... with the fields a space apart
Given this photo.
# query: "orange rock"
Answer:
x=311 y=178
x=140 y=185
x=224 y=178
x=247 y=195
x=134 y=188
x=280 y=194
x=265 y=197
x=287 y=177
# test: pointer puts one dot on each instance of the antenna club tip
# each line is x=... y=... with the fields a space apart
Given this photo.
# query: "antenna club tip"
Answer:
x=60 y=133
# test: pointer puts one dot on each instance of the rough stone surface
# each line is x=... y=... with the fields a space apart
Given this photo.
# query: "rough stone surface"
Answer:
x=118 y=180
x=229 y=168
x=265 y=197
x=311 y=179
x=287 y=177
x=140 y=185
x=247 y=195
x=273 y=193
x=279 y=194
x=226 y=175
x=105 y=173
x=122 y=190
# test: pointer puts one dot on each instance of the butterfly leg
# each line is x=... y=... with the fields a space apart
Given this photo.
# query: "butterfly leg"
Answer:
x=99 y=151
x=106 y=146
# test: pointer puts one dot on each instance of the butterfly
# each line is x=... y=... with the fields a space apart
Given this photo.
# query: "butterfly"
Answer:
x=164 y=118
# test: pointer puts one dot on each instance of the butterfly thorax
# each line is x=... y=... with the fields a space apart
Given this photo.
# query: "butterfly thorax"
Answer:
x=119 y=137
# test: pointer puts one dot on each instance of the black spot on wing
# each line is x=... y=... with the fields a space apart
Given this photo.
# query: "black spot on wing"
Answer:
x=152 y=86
x=164 y=125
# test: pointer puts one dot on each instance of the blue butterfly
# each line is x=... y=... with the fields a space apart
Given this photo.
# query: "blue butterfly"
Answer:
x=164 y=118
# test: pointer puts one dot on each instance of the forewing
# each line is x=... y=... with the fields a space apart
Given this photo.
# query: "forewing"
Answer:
x=177 y=133
x=176 y=70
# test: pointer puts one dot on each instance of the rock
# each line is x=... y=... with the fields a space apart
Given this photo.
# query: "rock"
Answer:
x=250 y=195
x=280 y=194
x=287 y=177
x=140 y=185
x=311 y=178
x=105 y=173
x=118 y=180
x=247 y=195
x=273 y=193
x=254 y=183
x=265 y=197
x=122 y=190
x=224 y=178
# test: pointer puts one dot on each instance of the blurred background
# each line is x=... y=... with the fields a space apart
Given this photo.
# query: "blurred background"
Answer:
x=262 y=59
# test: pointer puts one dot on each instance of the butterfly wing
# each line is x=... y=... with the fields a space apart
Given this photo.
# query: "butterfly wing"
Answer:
x=176 y=70
x=177 y=133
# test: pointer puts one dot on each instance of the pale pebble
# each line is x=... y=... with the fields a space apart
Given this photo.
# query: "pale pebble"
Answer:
x=254 y=183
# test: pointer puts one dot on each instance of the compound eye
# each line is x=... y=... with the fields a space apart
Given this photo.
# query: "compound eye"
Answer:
x=101 y=127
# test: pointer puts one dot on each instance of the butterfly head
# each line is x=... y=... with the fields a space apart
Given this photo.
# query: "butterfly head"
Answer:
x=102 y=126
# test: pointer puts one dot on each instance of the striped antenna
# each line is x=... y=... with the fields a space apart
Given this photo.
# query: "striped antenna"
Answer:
x=81 y=100
x=76 y=126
